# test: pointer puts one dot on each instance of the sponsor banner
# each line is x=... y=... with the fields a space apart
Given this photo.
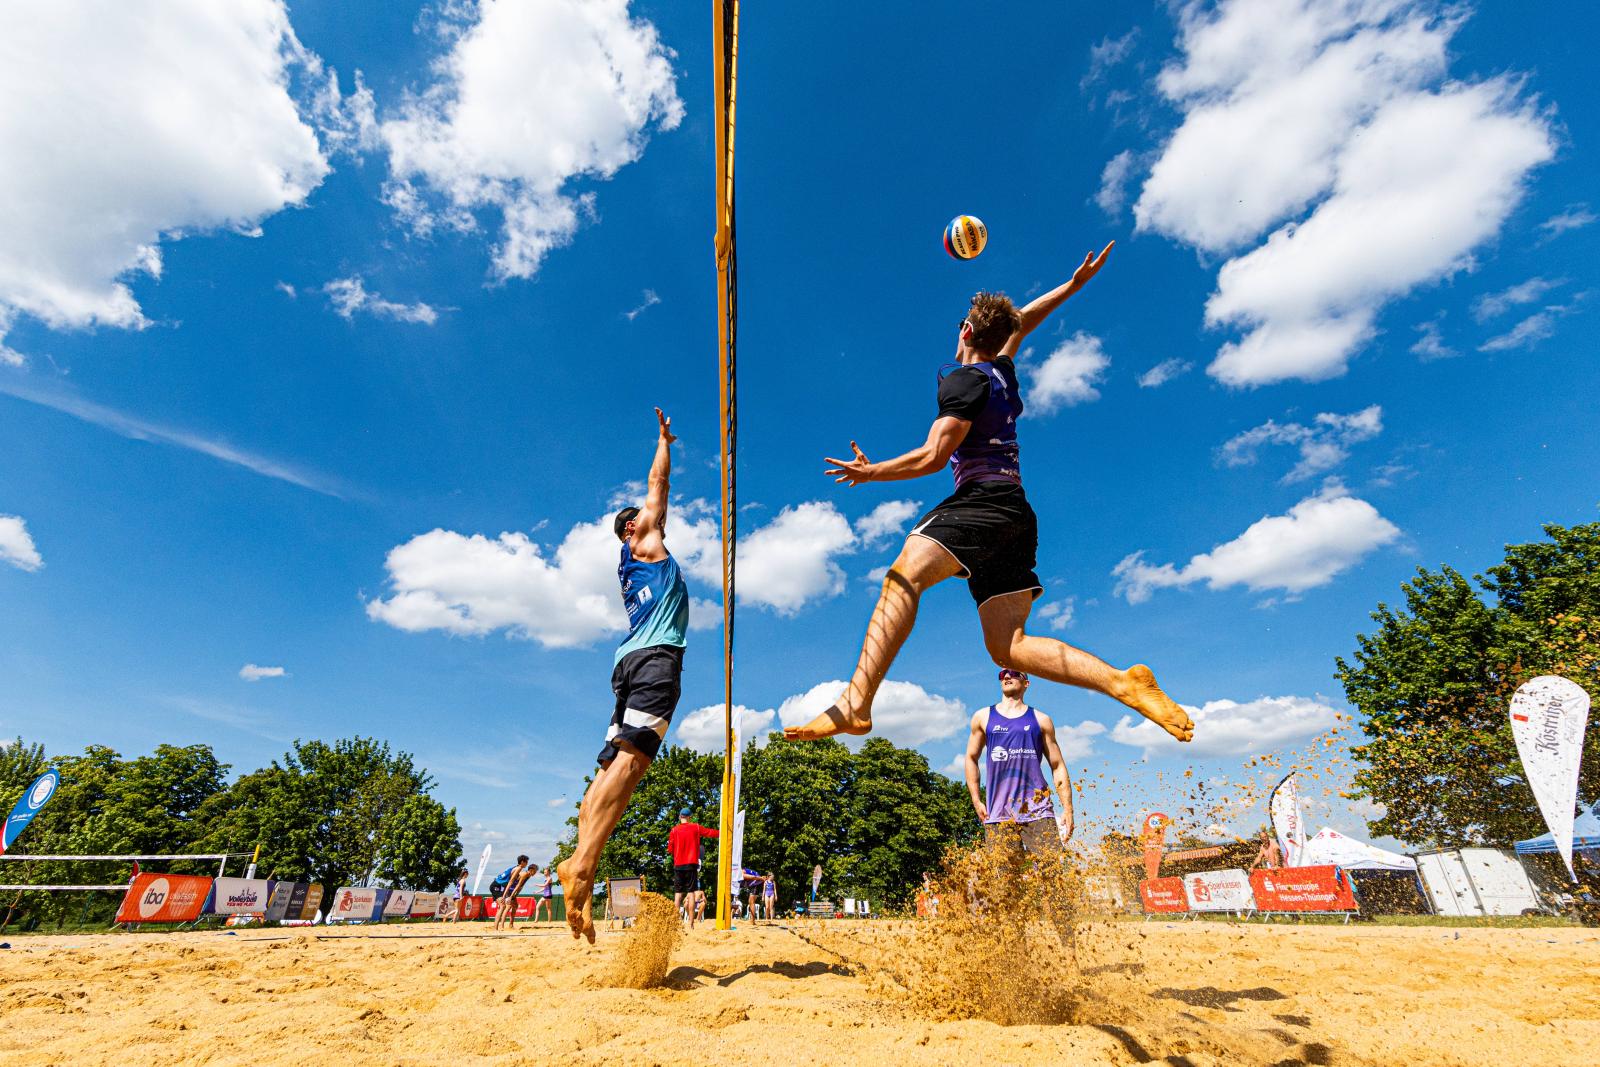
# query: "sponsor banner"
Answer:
x=523 y=910
x=399 y=904
x=1219 y=891
x=1287 y=821
x=1303 y=889
x=278 y=903
x=313 y=901
x=378 y=904
x=241 y=896
x=353 y=904
x=1162 y=894
x=472 y=907
x=36 y=796
x=425 y=905
x=1548 y=718
x=164 y=898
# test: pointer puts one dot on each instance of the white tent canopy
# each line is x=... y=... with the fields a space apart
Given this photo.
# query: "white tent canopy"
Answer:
x=1330 y=846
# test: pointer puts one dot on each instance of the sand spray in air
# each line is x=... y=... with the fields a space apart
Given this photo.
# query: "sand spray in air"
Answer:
x=646 y=951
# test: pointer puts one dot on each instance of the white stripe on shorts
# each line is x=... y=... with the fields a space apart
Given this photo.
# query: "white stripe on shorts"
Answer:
x=643 y=720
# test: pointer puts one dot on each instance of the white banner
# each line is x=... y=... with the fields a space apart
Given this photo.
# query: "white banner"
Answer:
x=425 y=905
x=483 y=863
x=240 y=896
x=1219 y=891
x=1287 y=821
x=1548 y=717
x=399 y=905
x=351 y=903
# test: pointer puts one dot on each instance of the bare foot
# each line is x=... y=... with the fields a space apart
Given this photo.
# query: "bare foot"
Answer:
x=833 y=721
x=1145 y=696
x=576 y=887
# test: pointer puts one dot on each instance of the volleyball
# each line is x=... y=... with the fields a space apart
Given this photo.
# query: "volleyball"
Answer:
x=965 y=237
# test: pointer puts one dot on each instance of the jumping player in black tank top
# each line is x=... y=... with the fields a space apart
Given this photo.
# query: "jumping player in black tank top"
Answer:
x=985 y=532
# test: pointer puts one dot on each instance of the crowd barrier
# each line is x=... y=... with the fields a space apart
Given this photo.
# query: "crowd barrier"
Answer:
x=1262 y=891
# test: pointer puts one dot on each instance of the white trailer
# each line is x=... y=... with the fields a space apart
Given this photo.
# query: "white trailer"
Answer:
x=1476 y=881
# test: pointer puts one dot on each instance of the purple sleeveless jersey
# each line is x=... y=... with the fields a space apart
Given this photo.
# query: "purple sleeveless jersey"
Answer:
x=1017 y=791
x=990 y=452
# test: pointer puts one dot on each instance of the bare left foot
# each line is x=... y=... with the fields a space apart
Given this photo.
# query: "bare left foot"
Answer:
x=1146 y=697
x=581 y=918
x=831 y=722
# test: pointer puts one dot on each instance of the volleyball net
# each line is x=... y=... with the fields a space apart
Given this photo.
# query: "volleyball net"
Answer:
x=726 y=38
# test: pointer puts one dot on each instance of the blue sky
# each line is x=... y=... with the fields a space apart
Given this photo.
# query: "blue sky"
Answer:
x=336 y=383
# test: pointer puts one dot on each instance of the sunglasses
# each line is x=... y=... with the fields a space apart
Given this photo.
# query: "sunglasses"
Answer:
x=1012 y=674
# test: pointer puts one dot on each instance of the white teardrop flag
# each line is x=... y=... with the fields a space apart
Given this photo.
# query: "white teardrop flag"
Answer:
x=1287 y=820
x=1548 y=717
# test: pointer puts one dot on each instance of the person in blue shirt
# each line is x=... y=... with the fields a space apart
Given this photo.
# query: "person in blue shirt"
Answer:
x=985 y=531
x=645 y=678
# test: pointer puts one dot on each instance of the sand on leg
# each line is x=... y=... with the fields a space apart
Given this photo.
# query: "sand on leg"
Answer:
x=602 y=808
x=921 y=565
x=1005 y=620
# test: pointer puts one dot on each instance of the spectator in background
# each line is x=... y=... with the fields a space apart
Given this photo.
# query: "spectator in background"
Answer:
x=684 y=844
x=546 y=896
x=769 y=896
x=1267 y=855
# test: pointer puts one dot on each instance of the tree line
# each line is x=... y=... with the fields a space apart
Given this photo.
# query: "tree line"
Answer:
x=874 y=819
x=339 y=813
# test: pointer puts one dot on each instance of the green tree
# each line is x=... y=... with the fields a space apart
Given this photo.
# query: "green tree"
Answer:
x=421 y=845
x=875 y=819
x=1434 y=681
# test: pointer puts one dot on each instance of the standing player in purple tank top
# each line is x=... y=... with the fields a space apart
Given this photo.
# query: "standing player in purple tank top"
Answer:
x=985 y=532
x=1016 y=737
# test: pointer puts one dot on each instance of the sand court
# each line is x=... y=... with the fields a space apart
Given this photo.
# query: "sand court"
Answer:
x=1196 y=993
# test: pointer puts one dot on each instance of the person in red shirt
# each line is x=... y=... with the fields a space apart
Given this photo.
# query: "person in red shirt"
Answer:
x=684 y=844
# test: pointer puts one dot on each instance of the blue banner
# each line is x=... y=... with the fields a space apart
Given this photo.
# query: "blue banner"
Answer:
x=36 y=797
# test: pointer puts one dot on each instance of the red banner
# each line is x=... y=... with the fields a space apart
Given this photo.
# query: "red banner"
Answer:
x=1163 y=894
x=164 y=898
x=524 y=909
x=1302 y=889
x=472 y=907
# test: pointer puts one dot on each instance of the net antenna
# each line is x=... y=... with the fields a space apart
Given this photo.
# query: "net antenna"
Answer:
x=726 y=35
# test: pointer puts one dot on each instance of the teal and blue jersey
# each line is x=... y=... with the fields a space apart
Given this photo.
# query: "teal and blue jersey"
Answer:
x=657 y=602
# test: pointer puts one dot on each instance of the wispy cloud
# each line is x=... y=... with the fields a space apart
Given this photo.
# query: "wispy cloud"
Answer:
x=1490 y=305
x=1164 y=372
x=1575 y=217
x=246 y=720
x=137 y=429
x=650 y=301
x=350 y=296
x=252 y=673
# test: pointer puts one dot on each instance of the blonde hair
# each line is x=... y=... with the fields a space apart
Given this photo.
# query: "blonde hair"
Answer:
x=993 y=318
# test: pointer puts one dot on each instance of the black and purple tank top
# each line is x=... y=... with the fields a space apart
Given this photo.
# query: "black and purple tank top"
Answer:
x=1017 y=791
x=990 y=452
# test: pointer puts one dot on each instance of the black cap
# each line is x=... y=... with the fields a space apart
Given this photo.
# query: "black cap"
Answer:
x=625 y=516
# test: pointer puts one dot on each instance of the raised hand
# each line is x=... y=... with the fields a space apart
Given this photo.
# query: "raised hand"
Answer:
x=666 y=427
x=853 y=471
x=1091 y=265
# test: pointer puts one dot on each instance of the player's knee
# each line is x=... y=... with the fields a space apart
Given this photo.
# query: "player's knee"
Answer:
x=1001 y=648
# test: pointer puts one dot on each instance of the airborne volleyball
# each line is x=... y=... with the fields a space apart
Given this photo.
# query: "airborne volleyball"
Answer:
x=965 y=237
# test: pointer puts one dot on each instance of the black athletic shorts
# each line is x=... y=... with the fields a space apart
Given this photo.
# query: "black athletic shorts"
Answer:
x=686 y=879
x=993 y=533
x=647 y=682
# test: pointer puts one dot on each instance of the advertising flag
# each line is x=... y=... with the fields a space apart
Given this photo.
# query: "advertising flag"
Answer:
x=1287 y=820
x=35 y=797
x=1548 y=718
x=483 y=865
x=816 y=880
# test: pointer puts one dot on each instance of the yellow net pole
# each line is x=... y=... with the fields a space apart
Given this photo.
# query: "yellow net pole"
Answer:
x=726 y=20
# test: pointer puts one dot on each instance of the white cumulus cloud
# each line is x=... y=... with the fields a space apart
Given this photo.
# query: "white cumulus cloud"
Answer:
x=16 y=544
x=701 y=729
x=1068 y=375
x=790 y=562
x=252 y=673
x=1114 y=179
x=1320 y=537
x=885 y=520
x=1377 y=176
x=903 y=712
x=529 y=97
x=1231 y=728
x=349 y=297
x=126 y=125
x=1323 y=445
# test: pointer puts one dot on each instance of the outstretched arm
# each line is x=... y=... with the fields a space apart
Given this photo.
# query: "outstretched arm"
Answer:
x=944 y=437
x=1058 y=772
x=1039 y=308
x=651 y=523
